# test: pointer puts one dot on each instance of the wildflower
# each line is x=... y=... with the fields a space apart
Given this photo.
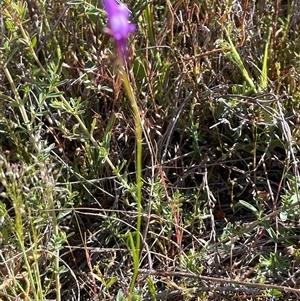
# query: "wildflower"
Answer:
x=118 y=22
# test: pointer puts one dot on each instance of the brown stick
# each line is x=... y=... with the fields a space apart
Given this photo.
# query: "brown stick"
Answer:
x=220 y=280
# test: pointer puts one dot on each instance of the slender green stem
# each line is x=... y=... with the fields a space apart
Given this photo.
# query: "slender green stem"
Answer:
x=235 y=57
x=139 y=146
x=55 y=233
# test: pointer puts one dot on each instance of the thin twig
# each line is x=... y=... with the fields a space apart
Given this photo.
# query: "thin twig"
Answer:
x=258 y=286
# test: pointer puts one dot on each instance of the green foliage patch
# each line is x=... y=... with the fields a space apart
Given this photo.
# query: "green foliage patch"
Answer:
x=173 y=176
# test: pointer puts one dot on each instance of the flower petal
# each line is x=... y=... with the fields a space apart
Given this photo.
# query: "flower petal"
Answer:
x=118 y=21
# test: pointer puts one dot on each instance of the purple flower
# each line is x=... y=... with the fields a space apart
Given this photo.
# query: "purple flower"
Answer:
x=118 y=22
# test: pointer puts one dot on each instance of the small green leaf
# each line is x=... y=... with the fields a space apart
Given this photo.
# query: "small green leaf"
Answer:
x=111 y=282
x=120 y=296
x=283 y=216
x=151 y=288
x=249 y=206
x=33 y=42
x=272 y=233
